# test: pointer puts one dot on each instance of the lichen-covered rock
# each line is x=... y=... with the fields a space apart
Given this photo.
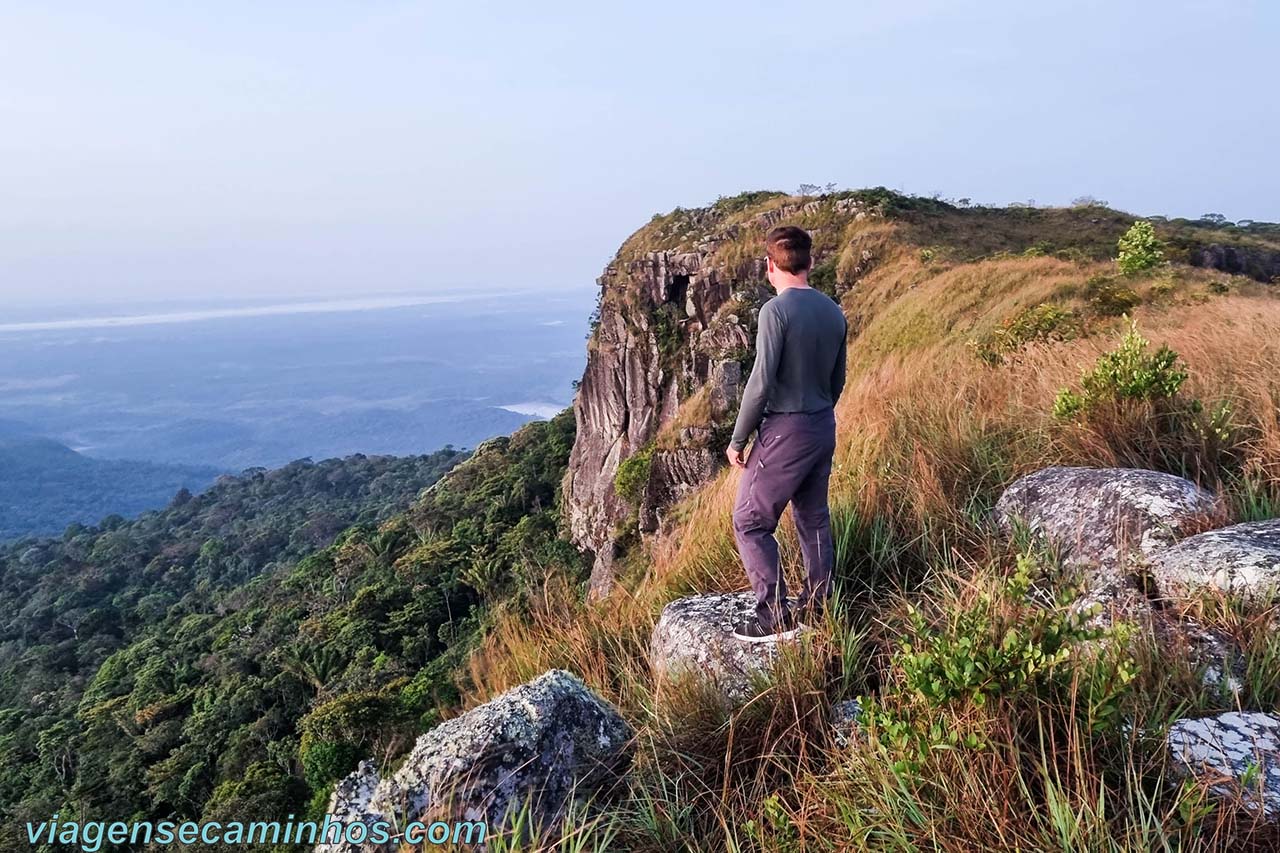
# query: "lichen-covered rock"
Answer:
x=846 y=721
x=531 y=748
x=694 y=639
x=1243 y=560
x=1097 y=516
x=352 y=795
x=1240 y=749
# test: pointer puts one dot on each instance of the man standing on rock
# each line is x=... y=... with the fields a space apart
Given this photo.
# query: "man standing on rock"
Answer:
x=789 y=403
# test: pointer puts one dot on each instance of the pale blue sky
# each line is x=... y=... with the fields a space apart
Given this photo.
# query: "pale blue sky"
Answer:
x=231 y=149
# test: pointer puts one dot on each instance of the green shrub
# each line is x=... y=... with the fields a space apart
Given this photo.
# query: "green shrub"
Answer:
x=1043 y=322
x=263 y=788
x=1109 y=297
x=1008 y=644
x=337 y=733
x=1128 y=372
x=1139 y=249
x=1001 y=644
x=633 y=475
x=325 y=762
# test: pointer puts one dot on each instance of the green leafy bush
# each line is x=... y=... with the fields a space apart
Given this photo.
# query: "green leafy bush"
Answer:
x=633 y=475
x=1109 y=297
x=988 y=649
x=1006 y=645
x=666 y=331
x=1139 y=249
x=1044 y=322
x=324 y=762
x=1129 y=372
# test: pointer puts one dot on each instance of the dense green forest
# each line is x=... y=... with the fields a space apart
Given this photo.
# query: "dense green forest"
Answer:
x=236 y=652
x=44 y=486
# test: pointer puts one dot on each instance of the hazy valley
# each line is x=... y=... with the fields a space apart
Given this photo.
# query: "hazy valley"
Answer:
x=190 y=391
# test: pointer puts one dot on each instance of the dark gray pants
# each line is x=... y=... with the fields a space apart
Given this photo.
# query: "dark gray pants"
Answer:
x=790 y=462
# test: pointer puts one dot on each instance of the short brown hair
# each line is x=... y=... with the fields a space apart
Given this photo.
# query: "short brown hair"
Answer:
x=789 y=248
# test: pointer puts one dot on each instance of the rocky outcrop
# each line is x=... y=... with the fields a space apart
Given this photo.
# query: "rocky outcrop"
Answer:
x=532 y=748
x=632 y=387
x=1243 y=560
x=666 y=364
x=351 y=802
x=694 y=640
x=1257 y=263
x=1238 y=752
x=1097 y=516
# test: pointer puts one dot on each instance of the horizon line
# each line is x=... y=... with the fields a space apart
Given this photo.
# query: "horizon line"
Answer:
x=275 y=309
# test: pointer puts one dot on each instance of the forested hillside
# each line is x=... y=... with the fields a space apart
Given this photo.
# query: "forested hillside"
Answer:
x=161 y=666
x=44 y=486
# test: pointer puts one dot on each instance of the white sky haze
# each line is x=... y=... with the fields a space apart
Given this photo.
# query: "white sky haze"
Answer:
x=153 y=150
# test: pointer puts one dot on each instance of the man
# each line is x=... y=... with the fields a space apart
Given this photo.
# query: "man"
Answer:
x=789 y=403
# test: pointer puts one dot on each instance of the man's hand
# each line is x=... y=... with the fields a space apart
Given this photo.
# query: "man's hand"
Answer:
x=737 y=458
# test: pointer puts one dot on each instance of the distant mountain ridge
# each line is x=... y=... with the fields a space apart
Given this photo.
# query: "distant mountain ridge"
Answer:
x=45 y=485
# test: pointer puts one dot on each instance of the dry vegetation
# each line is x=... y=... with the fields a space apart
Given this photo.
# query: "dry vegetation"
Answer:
x=929 y=435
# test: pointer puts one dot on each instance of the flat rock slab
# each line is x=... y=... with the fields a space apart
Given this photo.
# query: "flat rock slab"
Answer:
x=1240 y=749
x=534 y=747
x=694 y=639
x=1096 y=516
x=1243 y=560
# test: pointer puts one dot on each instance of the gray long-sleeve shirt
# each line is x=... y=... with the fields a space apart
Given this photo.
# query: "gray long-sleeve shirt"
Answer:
x=800 y=359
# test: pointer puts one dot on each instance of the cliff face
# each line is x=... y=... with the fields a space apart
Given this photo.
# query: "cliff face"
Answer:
x=667 y=362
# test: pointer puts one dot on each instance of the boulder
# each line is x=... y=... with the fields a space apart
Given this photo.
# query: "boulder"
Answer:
x=1243 y=560
x=1097 y=516
x=351 y=799
x=1239 y=752
x=694 y=639
x=534 y=747
x=846 y=722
